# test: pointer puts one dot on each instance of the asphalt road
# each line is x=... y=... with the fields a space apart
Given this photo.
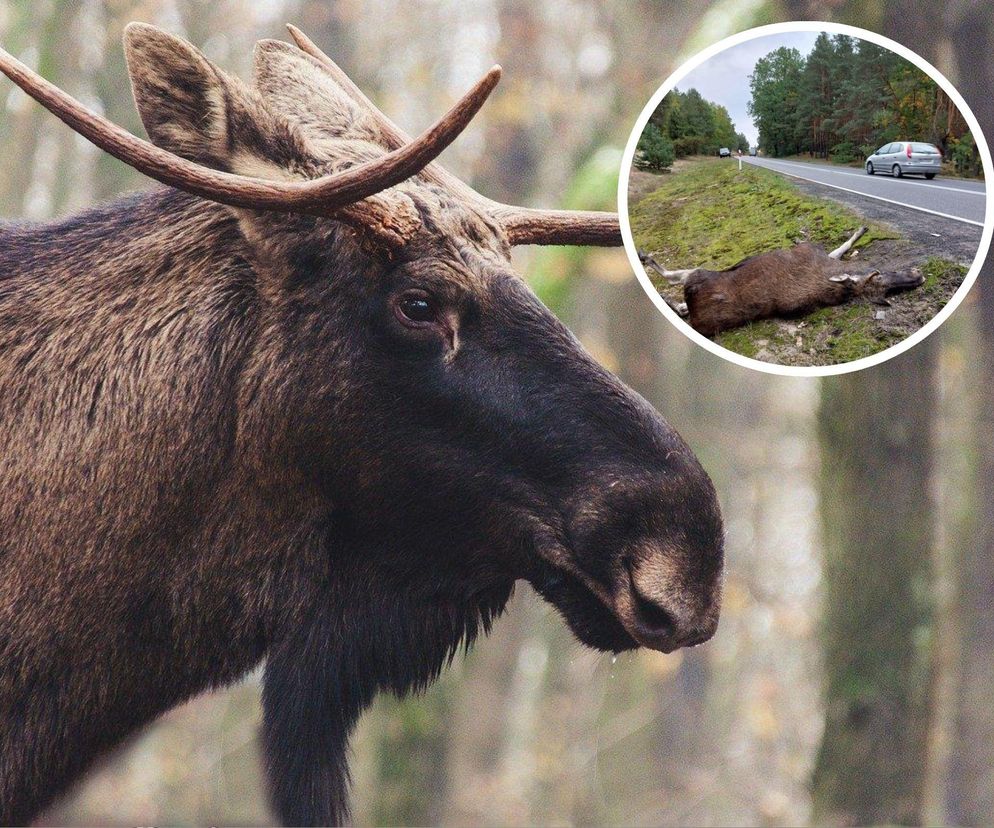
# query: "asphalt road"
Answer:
x=962 y=201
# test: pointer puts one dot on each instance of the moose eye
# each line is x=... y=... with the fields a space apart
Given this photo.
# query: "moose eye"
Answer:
x=416 y=308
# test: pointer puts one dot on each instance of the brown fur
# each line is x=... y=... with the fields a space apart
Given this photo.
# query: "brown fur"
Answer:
x=781 y=283
x=219 y=444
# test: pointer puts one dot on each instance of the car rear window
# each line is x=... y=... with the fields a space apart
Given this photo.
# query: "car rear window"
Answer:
x=924 y=148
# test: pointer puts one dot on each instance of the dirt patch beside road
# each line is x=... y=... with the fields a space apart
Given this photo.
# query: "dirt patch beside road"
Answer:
x=642 y=183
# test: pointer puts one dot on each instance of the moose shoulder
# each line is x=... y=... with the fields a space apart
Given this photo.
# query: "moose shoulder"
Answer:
x=296 y=406
x=779 y=283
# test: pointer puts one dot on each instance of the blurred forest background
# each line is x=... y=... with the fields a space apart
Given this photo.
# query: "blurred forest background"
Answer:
x=852 y=677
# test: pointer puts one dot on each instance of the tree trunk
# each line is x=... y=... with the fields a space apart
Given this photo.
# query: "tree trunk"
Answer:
x=970 y=781
x=878 y=524
x=970 y=778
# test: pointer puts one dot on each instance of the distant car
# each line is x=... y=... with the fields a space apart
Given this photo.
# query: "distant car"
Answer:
x=752 y=150
x=905 y=157
x=724 y=152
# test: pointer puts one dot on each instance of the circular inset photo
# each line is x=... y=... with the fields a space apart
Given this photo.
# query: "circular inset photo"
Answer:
x=806 y=198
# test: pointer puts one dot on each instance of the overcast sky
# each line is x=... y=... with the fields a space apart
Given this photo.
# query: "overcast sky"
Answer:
x=724 y=79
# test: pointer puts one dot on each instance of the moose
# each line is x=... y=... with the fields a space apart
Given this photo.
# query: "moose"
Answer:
x=783 y=283
x=295 y=407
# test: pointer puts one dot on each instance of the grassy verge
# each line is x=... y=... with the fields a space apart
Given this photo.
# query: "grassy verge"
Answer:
x=711 y=214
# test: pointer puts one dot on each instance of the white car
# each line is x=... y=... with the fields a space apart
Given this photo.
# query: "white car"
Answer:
x=903 y=157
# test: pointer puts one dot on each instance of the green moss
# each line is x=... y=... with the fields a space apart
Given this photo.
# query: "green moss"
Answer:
x=858 y=341
x=838 y=334
x=938 y=273
x=748 y=339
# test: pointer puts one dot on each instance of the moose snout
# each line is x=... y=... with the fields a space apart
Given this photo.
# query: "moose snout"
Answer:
x=903 y=281
x=660 y=608
x=644 y=534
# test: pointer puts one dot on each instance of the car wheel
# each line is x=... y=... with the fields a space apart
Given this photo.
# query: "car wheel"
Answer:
x=869 y=168
x=896 y=171
x=930 y=176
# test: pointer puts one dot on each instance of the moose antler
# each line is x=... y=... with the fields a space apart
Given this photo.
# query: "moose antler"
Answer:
x=523 y=225
x=330 y=195
x=334 y=195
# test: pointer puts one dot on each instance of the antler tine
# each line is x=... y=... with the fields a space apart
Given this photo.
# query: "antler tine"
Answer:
x=525 y=225
x=522 y=225
x=321 y=196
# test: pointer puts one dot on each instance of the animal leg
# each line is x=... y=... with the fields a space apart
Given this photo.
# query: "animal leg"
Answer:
x=678 y=277
x=309 y=712
x=841 y=251
x=674 y=277
x=679 y=307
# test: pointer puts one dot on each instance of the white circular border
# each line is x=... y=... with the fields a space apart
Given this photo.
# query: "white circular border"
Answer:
x=812 y=370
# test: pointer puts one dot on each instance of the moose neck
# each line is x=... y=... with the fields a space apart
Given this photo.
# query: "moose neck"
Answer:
x=141 y=554
x=126 y=335
x=370 y=629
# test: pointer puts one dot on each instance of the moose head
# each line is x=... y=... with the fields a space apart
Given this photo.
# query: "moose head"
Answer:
x=415 y=429
x=875 y=286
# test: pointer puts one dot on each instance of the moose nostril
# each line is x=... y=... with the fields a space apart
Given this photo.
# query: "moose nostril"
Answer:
x=655 y=619
x=659 y=616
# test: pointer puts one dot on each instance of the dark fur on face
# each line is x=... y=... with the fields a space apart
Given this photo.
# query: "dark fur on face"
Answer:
x=228 y=436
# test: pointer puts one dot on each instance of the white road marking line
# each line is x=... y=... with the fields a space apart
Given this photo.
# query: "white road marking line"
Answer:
x=884 y=177
x=878 y=198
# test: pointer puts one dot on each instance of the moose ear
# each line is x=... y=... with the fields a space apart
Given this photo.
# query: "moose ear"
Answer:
x=297 y=87
x=193 y=109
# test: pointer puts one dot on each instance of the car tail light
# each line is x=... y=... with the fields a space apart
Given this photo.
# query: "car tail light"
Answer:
x=909 y=150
